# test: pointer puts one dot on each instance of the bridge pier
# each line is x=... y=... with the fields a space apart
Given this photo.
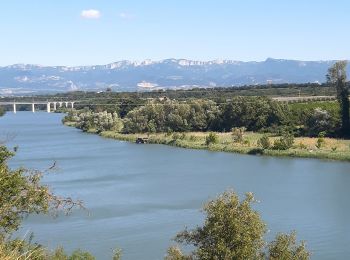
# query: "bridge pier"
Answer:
x=66 y=104
x=72 y=104
x=60 y=104
x=48 y=107
x=54 y=106
x=14 y=108
x=33 y=107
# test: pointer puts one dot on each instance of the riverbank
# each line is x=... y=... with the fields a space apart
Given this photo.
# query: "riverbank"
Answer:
x=304 y=147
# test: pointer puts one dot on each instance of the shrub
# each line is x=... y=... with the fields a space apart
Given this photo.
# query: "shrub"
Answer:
x=264 y=142
x=320 y=140
x=302 y=146
x=246 y=142
x=238 y=134
x=193 y=138
x=176 y=136
x=285 y=142
x=212 y=138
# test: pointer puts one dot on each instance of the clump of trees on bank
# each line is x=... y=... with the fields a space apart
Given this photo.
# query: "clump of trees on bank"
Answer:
x=258 y=114
x=98 y=121
x=197 y=115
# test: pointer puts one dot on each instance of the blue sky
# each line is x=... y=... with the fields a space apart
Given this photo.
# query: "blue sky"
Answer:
x=85 y=32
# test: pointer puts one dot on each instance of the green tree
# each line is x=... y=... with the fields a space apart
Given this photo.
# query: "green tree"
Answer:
x=234 y=230
x=285 y=247
x=337 y=78
x=253 y=113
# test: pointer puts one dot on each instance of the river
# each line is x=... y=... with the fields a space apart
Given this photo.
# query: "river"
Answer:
x=139 y=196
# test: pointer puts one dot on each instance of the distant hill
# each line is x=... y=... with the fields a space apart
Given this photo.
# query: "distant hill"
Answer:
x=149 y=75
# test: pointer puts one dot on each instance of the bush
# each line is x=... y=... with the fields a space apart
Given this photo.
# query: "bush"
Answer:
x=285 y=142
x=193 y=138
x=320 y=140
x=233 y=229
x=238 y=134
x=302 y=146
x=212 y=138
x=264 y=142
x=176 y=136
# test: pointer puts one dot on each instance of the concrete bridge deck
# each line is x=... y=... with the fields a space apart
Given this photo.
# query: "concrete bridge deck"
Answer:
x=33 y=103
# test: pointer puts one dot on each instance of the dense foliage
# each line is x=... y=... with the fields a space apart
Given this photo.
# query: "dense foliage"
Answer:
x=197 y=115
x=234 y=230
x=251 y=113
x=309 y=119
x=254 y=114
x=20 y=194
x=99 y=121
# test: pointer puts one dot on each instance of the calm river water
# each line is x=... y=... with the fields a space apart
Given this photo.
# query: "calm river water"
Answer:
x=140 y=196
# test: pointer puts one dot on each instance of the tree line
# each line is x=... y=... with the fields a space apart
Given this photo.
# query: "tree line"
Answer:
x=254 y=113
x=259 y=114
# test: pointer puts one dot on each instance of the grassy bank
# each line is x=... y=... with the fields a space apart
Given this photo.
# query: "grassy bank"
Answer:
x=305 y=147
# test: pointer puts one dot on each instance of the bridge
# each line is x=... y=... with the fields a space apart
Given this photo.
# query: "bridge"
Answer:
x=48 y=104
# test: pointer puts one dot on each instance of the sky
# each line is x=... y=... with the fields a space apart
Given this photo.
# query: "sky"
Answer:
x=90 y=32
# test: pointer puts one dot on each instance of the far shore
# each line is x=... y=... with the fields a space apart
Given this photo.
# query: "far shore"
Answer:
x=304 y=147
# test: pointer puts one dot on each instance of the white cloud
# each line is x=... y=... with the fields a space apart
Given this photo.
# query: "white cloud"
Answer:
x=90 y=14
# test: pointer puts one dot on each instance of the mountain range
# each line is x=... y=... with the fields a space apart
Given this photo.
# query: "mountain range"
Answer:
x=21 y=79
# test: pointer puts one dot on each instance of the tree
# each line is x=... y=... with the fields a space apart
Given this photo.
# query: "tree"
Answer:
x=285 y=247
x=318 y=121
x=21 y=194
x=234 y=230
x=337 y=77
x=253 y=113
